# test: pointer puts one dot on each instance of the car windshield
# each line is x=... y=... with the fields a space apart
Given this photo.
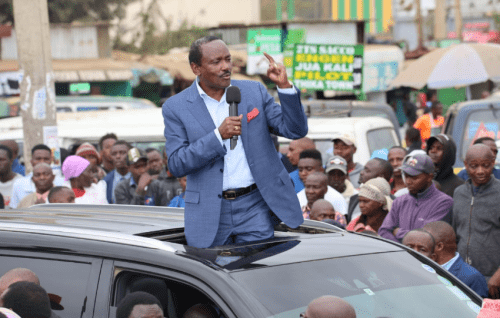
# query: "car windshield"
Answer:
x=480 y=123
x=381 y=139
x=391 y=284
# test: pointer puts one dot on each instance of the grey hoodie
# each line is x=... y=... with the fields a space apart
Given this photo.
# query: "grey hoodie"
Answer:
x=476 y=220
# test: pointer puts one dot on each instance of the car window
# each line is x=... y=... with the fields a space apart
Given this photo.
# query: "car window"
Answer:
x=176 y=297
x=480 y=123
x=67 y=281
x=377 y=285
x=383 y=138
x=325 y=146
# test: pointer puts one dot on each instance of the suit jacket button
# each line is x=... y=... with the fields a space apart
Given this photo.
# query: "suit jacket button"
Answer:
x=221 y=170
x=220 y=196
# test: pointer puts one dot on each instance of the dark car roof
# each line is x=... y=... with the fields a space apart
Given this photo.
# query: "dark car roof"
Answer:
x=156 y=229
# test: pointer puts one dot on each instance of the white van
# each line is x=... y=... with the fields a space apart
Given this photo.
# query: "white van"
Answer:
x=144 y=128
x=370 y=133
x=138 y=126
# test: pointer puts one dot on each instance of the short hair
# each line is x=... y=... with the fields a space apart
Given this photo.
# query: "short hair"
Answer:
x=8 y=151
x=40 y=147
x=128 y=303
x=195 y=54
x=54 y=191
x=482 y=140
x=413 y=134
x=422 y=231
x=107 y=136
x=28 y=300
x=311 y=154
x=123 y=142
x=399 y=147
x=150 y=150
x=387 y=169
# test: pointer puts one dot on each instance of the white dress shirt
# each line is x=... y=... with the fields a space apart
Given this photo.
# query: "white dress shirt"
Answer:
x=236 y=173
x=331 y=195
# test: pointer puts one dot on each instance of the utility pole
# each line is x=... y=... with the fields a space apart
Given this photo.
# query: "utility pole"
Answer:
x=458 y=20
x=31 y=20
x=419 y=24
x=440 y=20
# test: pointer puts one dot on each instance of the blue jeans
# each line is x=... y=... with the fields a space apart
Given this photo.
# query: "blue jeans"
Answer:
x=244 y=219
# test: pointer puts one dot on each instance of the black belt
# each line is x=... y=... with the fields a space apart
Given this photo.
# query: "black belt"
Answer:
x=232 y=194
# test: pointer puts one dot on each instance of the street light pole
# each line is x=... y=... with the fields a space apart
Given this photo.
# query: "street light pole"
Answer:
x=31 y=20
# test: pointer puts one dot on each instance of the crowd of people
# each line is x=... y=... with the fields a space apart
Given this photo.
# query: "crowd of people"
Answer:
x=411 y=196
x=117 y=173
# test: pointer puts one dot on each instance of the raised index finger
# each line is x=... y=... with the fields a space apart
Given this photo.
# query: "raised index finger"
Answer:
x=269 y=57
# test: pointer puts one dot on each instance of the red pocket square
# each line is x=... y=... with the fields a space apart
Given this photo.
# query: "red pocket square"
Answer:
x=251 y=115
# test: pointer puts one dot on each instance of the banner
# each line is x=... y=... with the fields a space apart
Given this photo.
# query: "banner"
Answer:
x=262 y=40
x=328 y=67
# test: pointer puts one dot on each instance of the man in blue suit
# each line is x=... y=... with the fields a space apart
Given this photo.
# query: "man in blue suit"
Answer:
x=447 y=256
x=230 y=193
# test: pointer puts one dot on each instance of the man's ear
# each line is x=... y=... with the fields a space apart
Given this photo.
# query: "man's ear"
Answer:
x=354 y=149
x=439 y=246
x=433 y=257
x=195 y=68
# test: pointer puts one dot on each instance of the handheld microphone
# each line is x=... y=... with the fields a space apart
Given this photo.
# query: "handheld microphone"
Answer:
x=233 y=98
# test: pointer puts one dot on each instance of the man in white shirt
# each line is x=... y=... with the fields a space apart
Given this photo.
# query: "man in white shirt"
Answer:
x=310 y=161
x=7 y=176
x=24 y=186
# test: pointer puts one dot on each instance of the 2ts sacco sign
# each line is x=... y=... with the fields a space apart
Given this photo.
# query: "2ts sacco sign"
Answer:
x=328 y=67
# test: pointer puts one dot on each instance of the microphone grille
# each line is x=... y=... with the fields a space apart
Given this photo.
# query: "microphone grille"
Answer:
x=233 y=95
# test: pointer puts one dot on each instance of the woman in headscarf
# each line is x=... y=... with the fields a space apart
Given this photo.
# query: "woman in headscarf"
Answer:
x=374 y=203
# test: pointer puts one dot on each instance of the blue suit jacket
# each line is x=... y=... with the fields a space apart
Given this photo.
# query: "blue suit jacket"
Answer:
x=109 y=178
x=470 y=276
x=194 y=150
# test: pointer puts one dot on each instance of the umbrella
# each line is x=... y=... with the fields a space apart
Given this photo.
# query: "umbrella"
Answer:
x=455 y=66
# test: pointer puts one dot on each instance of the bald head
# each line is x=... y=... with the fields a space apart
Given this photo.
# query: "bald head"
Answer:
x=42 y=166
x=444 y=237
x=479 y=151
x=479 y=163
x=201 y=311
x=319 y=176
x=296 y=147
x=17 y=275
x=420 y=241
x=12 y=145
x=330 y=307
x=322 y=209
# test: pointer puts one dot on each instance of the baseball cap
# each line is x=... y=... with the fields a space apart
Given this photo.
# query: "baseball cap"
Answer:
x=336 y=163
x=348 y=139
x=134 y=155
x=417 y=164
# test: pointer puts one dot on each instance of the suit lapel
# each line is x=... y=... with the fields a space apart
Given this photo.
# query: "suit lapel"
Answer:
x=243 y=110
x=199 y=110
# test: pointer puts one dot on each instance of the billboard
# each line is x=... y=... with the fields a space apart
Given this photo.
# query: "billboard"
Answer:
x=328 y=67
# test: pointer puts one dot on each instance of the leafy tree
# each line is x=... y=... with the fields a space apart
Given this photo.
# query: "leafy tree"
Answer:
x=67 y=11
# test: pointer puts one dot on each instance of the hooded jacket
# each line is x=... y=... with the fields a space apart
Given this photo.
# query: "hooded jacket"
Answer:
x=444 y=173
